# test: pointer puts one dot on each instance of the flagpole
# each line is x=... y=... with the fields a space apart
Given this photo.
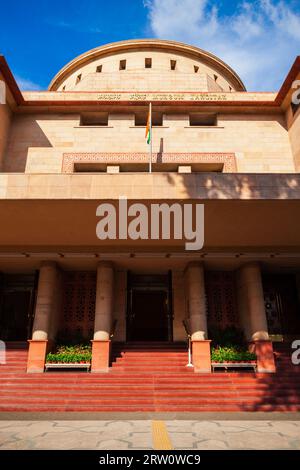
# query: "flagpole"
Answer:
x=150 y=150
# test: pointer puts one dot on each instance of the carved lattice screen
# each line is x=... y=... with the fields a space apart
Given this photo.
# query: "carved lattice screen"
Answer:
x=78 y=309
x=221 y=299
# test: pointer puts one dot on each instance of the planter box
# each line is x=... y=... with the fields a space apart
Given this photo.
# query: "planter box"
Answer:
x=234 y=365
x=235 y=362
x=68 y=365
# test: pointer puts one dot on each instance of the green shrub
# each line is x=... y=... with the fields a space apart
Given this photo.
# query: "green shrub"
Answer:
x=68 y=358
x=73 y=349
x=70 y=354
x=231 y=354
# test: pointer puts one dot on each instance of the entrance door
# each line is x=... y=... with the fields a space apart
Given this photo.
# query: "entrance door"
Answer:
x=17 y=300
x=14 y=320
x=149 y=308
x=149 y=316
x=282 y=305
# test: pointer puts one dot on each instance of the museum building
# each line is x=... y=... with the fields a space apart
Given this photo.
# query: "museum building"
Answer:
x=82 y=142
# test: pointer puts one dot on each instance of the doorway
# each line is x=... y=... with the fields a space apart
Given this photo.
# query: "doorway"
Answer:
x=281 y=305
x=149 y=308
x=17 y=298
x=149 y=322
x=14 y=316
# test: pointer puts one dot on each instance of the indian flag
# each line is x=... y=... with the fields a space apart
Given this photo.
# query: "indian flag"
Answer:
x=148 y=133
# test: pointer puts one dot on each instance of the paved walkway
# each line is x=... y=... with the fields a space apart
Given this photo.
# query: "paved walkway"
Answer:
x=150 y=434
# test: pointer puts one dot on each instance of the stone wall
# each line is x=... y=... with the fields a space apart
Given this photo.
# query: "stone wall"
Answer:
x=136 y=77
x=260 y=142
x=294 y=134
x=5 y=121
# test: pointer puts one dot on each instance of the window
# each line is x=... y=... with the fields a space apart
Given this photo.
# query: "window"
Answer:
x=64 y=88
x=140 y=118
x=216 y=77
x=99 y=68
x=138 y=167
x=148 y=63
x=196 y=68
x=295 y=108
x=230 y=88
x=157 y=118
x=173 y=64
x=199 y=119
x=78 y=78
x=122 y=65
x=94 y=119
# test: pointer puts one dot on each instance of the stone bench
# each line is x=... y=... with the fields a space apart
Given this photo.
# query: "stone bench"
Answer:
x=234 y=365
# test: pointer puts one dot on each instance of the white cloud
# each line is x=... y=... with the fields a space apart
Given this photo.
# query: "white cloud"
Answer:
x=27 y=85
x=259 y=39
x=283 y=17
x=248 y=23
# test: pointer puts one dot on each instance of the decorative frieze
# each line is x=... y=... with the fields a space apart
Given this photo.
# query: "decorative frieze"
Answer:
x=227 y=159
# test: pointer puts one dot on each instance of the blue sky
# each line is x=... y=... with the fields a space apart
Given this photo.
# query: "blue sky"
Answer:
x=259 y=39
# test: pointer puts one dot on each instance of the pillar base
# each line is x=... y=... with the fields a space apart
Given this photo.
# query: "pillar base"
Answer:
x=100 y=355
x=201 y=355
x=265 y=356
x=36 y=355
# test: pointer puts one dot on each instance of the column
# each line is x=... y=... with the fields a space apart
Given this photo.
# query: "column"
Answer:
x=253 y=316
x=195 y=290
x=103 y=317
x=178 y=287
x=45 y=303
x=297 y=277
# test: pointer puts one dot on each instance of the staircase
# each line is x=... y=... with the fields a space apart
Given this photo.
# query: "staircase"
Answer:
x=147 y=377
x=16 y=358
x=153 y=358
x=283 y=352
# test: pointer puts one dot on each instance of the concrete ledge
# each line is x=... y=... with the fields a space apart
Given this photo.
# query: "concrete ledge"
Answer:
x=98 y=416
x=204 y=186
x=238 y=226
x=66 y=365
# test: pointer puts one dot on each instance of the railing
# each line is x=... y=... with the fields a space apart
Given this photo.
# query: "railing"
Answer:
x=190 y=363
x=113 y=328
x=111 y=335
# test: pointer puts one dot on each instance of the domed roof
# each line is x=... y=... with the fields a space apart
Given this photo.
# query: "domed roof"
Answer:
x=103 y=68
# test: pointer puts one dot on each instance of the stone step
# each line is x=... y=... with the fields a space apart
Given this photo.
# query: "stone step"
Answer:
x=143 y=392
x=213 y=379
x=149 y=408
x=141 y=400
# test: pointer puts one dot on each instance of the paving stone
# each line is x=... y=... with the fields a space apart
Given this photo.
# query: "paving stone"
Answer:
x=211 y=444
x=186 y=434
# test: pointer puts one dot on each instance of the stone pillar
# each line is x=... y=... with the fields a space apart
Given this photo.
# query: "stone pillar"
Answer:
x=179 y=303
x=45 y=302
x=195 y=290
x=297 y=278
x=253 y=316
x=119 y=308
x=103 y=317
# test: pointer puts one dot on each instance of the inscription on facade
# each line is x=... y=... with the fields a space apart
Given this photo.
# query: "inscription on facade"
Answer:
x=162 y=96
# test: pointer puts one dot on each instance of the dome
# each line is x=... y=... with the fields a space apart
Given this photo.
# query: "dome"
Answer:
x=147 y=65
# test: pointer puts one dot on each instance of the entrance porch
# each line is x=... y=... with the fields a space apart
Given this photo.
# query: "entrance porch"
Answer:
x=147 y=299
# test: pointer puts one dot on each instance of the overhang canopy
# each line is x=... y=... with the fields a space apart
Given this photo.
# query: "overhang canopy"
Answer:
x=58 y=212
